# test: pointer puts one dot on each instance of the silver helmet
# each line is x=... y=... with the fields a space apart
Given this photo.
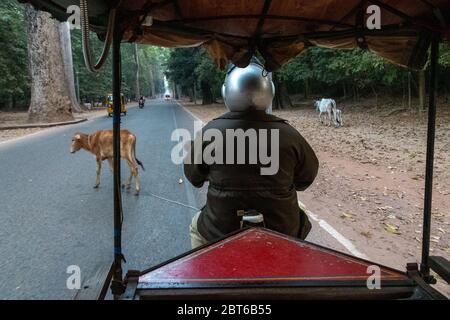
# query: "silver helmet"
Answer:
x=248 y=88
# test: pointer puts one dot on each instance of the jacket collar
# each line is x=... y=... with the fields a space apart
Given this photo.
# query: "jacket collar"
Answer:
x=251 y=115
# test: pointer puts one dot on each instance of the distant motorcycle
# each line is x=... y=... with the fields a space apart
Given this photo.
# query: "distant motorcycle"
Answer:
x=141 y=103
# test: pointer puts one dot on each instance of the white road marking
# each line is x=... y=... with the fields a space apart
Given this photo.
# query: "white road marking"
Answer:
x=188 y=111
x=334 y=233
x=174 y=202
x=347 y=244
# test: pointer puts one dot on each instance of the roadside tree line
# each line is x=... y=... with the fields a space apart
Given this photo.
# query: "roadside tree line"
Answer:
x=43 y=70
x=35 y=48
x=317 y=72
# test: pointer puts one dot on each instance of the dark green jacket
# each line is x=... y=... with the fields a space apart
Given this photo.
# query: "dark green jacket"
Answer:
x=234 y=187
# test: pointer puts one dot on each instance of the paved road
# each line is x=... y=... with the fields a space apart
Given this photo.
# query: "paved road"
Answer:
x=52 y=218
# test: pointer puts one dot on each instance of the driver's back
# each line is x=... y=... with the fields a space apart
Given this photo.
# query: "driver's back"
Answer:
x=284 y=164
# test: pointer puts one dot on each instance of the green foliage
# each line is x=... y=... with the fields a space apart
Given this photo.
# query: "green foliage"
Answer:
x=189 y=67
x=94 y=85
x=326 y=68
x=328 y=71
x=207 y=72
x=321 y=70
x=91 y=84
x=445 y=56
x=14 y=80
x=180 y=67
x=152 y=59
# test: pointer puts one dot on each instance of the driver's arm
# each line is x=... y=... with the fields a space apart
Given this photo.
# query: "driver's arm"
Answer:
x=307 y=167
x=197 y=174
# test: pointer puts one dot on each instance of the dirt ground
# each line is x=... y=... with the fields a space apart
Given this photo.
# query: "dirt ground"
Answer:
x=19 y=118
x=371 y=181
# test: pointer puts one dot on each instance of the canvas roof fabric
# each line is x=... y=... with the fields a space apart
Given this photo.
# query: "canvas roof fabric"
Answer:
x=280 y=30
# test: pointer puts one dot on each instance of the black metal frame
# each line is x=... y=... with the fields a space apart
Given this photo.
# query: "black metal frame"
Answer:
x=118 y=286
x=427 y=208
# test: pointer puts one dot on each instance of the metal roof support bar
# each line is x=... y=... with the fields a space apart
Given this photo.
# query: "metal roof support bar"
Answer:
x=427 y=208
x=266 y=17
x=117 y=286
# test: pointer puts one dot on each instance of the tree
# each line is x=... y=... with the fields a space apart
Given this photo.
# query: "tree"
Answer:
x=50 y=95
x=334 y=72
x=14 y=80
x=190 y=66
x=152 y=82
x=209 y=77
x=136 y=60
x=281 y=99
x=66 y=46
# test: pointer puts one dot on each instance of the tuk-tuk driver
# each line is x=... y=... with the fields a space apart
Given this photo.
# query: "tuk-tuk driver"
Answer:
x=253 y=184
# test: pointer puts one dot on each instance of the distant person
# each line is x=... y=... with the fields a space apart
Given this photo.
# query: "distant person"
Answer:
x=141 y=102
x=247 y=93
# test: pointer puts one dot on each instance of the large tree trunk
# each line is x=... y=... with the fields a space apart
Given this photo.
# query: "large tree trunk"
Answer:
x=409 y=91
x=194 y=89
x=50 y=96
x=207 y=96
x=191 y=94
x=136 y=60
x=175 y=91
x=66 y=46
x=306 y=95
x=10 y=103
x=152 y=83
x=344 y=90
x=282 y=99
x=179 y=92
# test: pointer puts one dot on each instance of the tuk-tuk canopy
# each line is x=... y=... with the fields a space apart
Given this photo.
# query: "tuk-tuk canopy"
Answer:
x=233 y=30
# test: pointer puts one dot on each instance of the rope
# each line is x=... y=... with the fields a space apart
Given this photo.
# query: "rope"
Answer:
x=84 y=18
x=175 y=202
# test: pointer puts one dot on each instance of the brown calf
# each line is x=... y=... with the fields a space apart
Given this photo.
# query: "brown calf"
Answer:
x=100 y=144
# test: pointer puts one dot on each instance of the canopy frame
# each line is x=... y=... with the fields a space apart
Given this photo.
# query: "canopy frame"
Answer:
x=117 y=284
x=147 y=10
x=429 y=166
x=118 y=281
x=409 y=25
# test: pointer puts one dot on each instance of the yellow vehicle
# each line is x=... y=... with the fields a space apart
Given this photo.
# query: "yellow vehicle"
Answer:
x=109 y=102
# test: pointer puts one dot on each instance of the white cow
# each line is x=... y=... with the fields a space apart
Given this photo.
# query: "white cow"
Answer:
x=338 y=118
x=326 y=106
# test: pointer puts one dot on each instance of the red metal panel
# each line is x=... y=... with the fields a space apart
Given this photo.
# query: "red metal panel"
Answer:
x=261 y=255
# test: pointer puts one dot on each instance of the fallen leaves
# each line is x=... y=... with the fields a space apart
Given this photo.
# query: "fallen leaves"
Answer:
x=366 y=234
x=435 y=239
x=349 y=216
x=391 y=228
